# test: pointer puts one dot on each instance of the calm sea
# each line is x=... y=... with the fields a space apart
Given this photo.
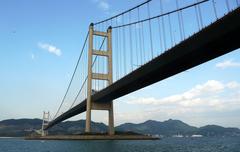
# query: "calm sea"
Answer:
x=227 y=144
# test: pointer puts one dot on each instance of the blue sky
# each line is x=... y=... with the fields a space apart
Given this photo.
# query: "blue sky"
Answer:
x=39 y=45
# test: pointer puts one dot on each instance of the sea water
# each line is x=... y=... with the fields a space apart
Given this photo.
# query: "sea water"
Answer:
x=204 y=144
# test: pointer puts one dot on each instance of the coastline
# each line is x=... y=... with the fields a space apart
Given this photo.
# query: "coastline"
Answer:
x=92 y=137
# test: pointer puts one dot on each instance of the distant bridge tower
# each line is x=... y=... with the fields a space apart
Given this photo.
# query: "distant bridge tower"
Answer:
x=99 y=76
x=45 y=121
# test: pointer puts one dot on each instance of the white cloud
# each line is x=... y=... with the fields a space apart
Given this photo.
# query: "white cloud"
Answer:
x=50 y=48
x=32 y=56
x=227 y=64
x=202 y=104
x=210 y=96
x=102 y=4
x=188 y=98
x=203 y=100
x=233 y=85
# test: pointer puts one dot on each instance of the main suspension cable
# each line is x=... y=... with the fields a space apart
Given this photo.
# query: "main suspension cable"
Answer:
x=79 y=58
x=161 y=15
x=131 y=9
x=87 y=76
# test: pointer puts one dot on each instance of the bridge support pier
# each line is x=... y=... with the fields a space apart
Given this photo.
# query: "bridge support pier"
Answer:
x=99 y=76
x=111 y=120
x=45 y=122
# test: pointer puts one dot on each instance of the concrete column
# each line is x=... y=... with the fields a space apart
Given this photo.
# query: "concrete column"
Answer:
x=45 y=122
x=111 y=121
x=89 y=85
x=110 y=81
x=99 y=76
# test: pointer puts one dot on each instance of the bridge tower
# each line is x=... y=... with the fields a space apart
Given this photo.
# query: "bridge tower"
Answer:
x=91 y=105
x=45 y=121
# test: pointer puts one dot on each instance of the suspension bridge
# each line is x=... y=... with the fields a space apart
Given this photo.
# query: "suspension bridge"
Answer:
x=144 y=45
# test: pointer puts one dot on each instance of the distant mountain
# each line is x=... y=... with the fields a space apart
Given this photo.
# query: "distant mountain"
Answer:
x=213 y=130
x=77 y=127
x=19 y=127
x=23 y=127
x=166 y=128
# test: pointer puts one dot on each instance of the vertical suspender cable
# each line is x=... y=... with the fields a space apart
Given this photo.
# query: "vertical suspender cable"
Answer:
x=143 y=42
x=136 y=44
x=227 y=4
x=120 y=52
x=163 y=26
x=182 y=22
x=170 y=27
x=116 y=52
x=95 y=67
x=197 y=18
x=102 y=60
x=124 y=48
x=150 y=30
x=214 y=8
x=200 y=14
x=131 y=48
x=179 y=21
x=160 y=35
x=140 y=39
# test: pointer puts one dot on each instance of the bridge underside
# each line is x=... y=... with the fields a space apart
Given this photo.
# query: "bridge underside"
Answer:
x=213 y=41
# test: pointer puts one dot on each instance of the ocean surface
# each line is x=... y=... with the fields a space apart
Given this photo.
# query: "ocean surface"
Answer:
x=204 y=144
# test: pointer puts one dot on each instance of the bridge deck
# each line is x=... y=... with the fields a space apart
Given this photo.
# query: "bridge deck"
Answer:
x=213 y=41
